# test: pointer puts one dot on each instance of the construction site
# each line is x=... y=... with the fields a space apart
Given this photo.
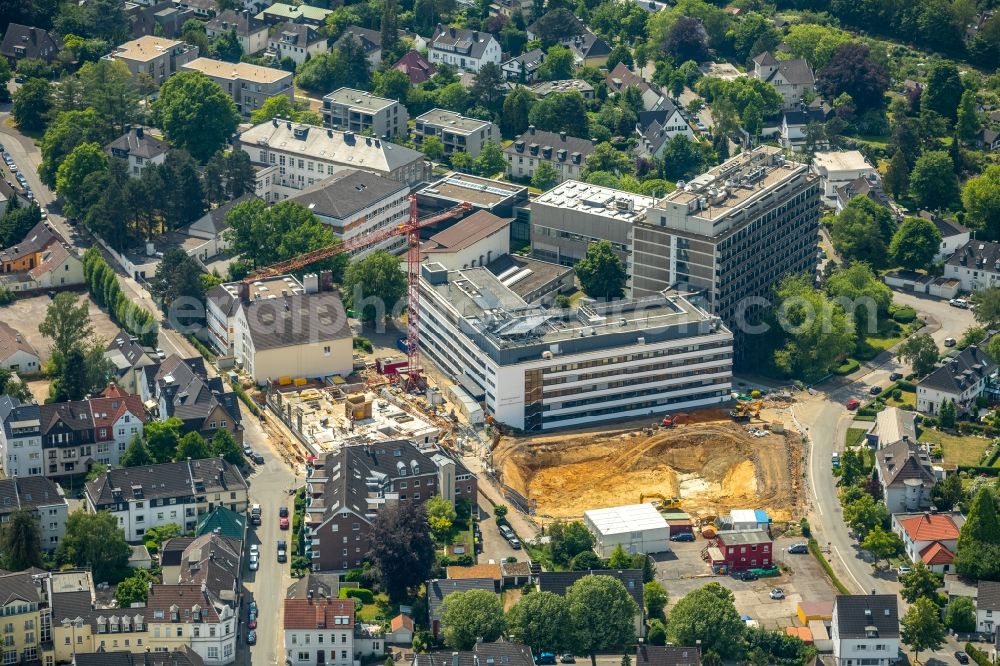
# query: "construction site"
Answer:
x=711 y=461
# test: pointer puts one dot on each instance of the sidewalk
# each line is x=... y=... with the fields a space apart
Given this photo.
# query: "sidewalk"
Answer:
x=525 y=528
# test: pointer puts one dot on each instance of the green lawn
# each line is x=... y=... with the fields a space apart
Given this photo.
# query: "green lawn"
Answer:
x=907 y=398
x=855 y=436
x=957 y=449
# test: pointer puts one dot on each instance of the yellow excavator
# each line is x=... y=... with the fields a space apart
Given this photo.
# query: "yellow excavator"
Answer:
x=664 y=503
x=744 y=411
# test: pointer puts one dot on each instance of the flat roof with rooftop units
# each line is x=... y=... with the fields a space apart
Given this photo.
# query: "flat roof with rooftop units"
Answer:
x=359 y=99
x=480 y=192
x=597 y=200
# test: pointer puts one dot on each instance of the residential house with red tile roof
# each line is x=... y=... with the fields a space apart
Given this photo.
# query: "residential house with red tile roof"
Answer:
x=319 y=631
x=416 y=67
x=931 y=538
x=179 y=616
x=118 y=418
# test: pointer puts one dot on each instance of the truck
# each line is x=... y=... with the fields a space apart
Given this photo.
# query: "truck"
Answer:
x=390 y=366
x=282 y=550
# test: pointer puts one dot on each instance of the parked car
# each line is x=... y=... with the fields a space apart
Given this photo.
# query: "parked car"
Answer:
x=505 y=531
x=777 y=593
x=546 y=659
x=514 y=543
x=160 y=354
x=961 y=657
x=283 y=522
x=798 y=549
x=252 y=621
x=895 y=377
x=835 y=459
x=853 y=404
x=746 y=575
x=567 y=659
x=958 y=303
x=255 y=510
x=903 y=570
x=875 y=390
x=254 y=562
x=949 y=342
x=258 y=459
x=255 y=549
x=283 y=512
x=247 y=451
x=252 y=638
x=683 y=536
x=282 y=550
x=255 y=520
x=253 y=607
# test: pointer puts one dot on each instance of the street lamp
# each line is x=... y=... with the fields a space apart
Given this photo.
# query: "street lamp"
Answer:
x=72 y=626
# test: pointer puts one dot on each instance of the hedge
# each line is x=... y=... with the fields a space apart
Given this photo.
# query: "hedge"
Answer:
x=849 y=366
x=102 y=283
x=247 y=400
x=814 y=549
x=904 y=315
x=361 y=593
x=977 y=655
x=979 y=470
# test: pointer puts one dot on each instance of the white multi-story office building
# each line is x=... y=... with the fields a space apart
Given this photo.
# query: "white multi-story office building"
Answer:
x=539 y=369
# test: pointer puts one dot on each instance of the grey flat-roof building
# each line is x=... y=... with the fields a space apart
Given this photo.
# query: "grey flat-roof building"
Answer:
x=456 y=132
x=499 y=197
x=364 y=113
x=731 y=234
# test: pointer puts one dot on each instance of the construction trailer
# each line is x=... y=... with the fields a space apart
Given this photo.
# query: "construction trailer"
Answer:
x=466 y=404
x=638 y=528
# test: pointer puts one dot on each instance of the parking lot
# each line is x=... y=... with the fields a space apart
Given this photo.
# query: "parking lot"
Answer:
x=683 y=571
x=25 y=314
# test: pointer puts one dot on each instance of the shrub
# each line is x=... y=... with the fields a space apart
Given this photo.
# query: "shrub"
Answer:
x=364 y=344
x=354 y=575
x=904 y=315
x=364 y=595
x=977 y=655
x=906 y=385
x=847 y=367
x=6 y=296
x=897 y=394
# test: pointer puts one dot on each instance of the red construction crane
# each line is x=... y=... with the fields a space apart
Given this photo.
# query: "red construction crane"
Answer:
x=411 y=229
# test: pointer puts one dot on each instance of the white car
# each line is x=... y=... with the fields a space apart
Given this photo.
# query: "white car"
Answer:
x=254 y=561
x=903 y=570
x=777 y=593
x=958 y=303
x=255 y=550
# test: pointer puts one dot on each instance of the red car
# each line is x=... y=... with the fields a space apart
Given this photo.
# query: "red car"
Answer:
x=283 y=523
x=853 y=404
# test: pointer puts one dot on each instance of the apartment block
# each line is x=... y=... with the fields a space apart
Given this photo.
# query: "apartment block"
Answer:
x=44 y=498
x=155 y=495
x=456 y=132
x=364 y=113
x=250 y=85
x=542 y=369
x=158 y=57
x=568 y=218
x=730 y=234
x=296 y=41
x=306 y=154
x=468 y=50
x=251 y=32
x=567 y=154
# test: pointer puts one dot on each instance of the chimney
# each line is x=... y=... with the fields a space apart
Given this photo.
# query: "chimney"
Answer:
x=274 y=122
x=475 y=35
x=531 y=129
x=244 y=288
x=455 y=660
x=562 y=135
x=138 y=132
x=325 y=280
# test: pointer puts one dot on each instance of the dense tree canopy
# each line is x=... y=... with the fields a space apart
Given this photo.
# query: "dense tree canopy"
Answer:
x=196 y=114
x=708 y=615
x=852 y=70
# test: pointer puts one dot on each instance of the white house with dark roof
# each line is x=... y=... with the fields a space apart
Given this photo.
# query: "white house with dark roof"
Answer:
x=296 y=41
x=210 y=228
x=223 y=301
x=189 y=615
x=953 y=235
x=793 y=77
x=139 y=149
x=524 y=68
x=568 y=154
x=667 y=655
x=987 y=606
x=468 y=50
x=657 y=128
x=27 y=41
x=44 y=498
x=358 y=203
x=621 y=78
x=961 y=378
x=976 y=264
x=20 y=438
x=865 y=629
x=906 y=476
x=16 y=353
x=250 y=31
x=370 y=41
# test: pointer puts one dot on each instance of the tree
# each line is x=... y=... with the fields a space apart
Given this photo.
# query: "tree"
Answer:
x=136 y=455
x=987 y=310
x=281 y=106
x=567 y=540
x=162 y=438
x=915 y=243
x=401 y=551
x=5 y=75
x=68 y=130
x=921 y=352
x=516 y=106
x=601 y=272
x=865 y=514
x=389 y=25
x=487 y=87
x=981 y=201
x=752 y=35
x=656 y=634
x=177 y=276
x=602 y=615
x=968 y=123
x=708 y=615
x=882 y=544
x=134 y=589
x=491 y=160
x=981 y=524
x=375 y=285
x=863 y=295
x=947 y=414
x=71 y=176
x=947 y=493
x=20 y=540
x=541 y=621
x=655 y=596
x=933 y=182
x=224 y=444
x=32 y=102
x=561 y=112
x=919 y=583
x=606 y=158
x=432 y=147
x=588 y=560
x=192 y=446
x=943 y=90
x=471 y=615
x=227 y=47
x=545 y=176
x=95 y=540
x=816 y=332
x=687 y=40
x=557 y=25
x=196 y=114
x=12 y=387
x=960 y=615
x=108 y=87
x=17 y=221
x=852 y=70
x=558 y=64
x=66 y=324
x=856 y=237
x=440 y=515
x=619 y=54
x=922 y=628
x=897 y=175
x=619 y=558
x=816 y=43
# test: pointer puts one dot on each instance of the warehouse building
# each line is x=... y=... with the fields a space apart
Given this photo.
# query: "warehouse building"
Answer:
x=539 y=369
x=638 y=528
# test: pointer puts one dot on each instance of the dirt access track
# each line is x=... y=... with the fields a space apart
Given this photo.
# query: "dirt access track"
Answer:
x=714 y=466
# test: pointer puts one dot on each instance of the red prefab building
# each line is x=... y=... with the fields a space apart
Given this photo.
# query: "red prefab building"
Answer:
x=745 y=549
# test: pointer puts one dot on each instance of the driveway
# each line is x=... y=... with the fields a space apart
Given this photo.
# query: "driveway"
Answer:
x=495 y=547
x=953 y=322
